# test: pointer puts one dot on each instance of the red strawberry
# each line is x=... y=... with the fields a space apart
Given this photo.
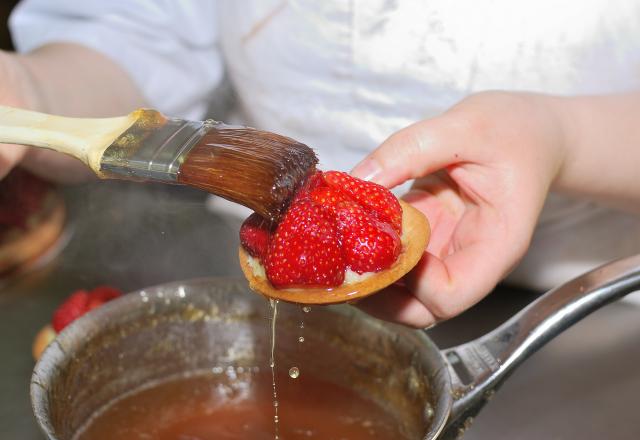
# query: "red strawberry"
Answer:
x=101 y=295
x=70 y=310
x=305 y=249
x=314 y=181
x=375 y=198
x=334 y=222
x=79 y=303
x=368 y=245
x=254 y=235
x=329 y=198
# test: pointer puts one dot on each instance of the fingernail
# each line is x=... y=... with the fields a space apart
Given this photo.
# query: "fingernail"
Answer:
x=368 y=169
x=430 y=326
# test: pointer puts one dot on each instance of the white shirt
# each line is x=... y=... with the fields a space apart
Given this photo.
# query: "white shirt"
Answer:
x=341 y=75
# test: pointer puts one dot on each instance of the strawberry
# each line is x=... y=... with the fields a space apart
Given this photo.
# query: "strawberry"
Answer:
x=368 y=244
x=329 y=198
x=79 y=303
x=254 y=235
x=375 y=198
x=101 y=295
x=314 y=181
x=70 y=310
x=335 y=222
x=305 y=249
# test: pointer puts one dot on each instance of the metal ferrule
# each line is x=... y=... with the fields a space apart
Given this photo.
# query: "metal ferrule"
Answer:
x=152 y=149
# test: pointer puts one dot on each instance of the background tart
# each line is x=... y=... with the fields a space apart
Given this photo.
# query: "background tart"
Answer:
x=32 y=217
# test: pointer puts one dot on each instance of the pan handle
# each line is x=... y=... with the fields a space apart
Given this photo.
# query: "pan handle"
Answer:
x=479 y=367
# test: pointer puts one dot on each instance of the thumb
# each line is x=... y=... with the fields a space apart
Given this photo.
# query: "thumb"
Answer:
x=412 y=152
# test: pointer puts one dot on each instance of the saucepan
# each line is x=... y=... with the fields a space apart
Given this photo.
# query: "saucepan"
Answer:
x=187 y=326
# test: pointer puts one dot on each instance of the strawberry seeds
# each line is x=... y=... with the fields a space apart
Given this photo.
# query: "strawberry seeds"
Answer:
x=335 y=223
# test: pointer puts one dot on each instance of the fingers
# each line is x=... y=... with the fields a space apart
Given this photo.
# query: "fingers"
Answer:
x=397 y=304
x=448 y=286
x=438 y=289
x=482 y=171
x=443 y=208
x=412 y=152
x=470 y=252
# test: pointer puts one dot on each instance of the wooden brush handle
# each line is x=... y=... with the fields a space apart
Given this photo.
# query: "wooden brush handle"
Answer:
x=83 y=138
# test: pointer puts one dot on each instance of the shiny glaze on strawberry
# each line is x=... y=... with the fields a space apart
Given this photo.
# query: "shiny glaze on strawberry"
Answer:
x=335 y=223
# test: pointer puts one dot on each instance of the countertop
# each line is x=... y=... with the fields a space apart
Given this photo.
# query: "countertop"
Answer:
x=583 y=385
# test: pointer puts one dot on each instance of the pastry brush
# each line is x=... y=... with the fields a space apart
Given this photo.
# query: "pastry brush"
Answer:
x=255 y=168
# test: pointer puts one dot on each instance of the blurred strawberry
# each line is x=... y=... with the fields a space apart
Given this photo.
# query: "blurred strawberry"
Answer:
x=70 y=310
x=21 y=196
x=79 y=303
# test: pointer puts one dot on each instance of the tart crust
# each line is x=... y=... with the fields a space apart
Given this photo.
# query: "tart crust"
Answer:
x=42 y=341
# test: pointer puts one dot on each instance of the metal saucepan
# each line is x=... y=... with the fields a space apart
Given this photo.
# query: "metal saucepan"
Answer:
x=175 y=328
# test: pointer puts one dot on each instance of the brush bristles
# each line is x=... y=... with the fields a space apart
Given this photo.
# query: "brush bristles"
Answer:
x=255 y=168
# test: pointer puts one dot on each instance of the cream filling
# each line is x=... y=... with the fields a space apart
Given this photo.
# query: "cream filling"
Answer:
x=257 y=267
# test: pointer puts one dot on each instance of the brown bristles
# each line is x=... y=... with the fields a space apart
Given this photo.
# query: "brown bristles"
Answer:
x=258 y=169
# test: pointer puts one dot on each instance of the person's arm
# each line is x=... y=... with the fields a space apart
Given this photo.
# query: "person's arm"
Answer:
x=483 y=170
x=95 y=58
x=70 y=79
x=602 y=159
x=63 y=79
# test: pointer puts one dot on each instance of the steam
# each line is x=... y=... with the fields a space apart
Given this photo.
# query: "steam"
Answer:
x=135 y=235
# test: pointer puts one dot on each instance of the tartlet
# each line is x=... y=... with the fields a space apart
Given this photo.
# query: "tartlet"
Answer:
x=414 y=239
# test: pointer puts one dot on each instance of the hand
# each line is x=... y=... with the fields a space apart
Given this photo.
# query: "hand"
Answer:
x=64 y=79
x=482 y=170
